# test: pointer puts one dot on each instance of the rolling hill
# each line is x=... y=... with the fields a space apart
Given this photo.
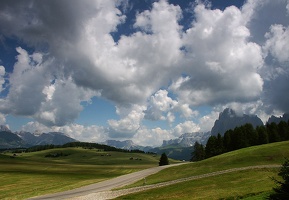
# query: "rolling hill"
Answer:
x=60 y=169
x=235 y=185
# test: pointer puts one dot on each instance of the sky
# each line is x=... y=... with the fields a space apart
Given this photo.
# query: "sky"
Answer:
x=143 y=70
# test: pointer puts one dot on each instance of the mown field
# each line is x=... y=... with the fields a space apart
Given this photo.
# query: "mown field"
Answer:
x=37 y=173
x=250 y=184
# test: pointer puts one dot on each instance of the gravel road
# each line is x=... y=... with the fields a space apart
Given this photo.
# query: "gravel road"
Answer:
x=113 y=194
x=105 y=185
x=102 y=190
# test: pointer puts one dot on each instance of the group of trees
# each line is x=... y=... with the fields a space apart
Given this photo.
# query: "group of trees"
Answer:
x=85 y=145
x=241 y=137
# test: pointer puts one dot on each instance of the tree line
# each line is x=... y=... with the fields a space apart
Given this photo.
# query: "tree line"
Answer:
x=241 y=137
x=85 y=145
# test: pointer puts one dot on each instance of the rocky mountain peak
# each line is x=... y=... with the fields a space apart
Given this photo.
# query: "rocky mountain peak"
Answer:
x=227 y=113
x=188 y=139
x=229 y=119
x=284 y=117
x=4 y=128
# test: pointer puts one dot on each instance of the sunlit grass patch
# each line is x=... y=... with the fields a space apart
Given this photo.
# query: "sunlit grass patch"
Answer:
x=32 y=174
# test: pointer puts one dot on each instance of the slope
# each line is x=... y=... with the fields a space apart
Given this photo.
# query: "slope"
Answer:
x=228 y=186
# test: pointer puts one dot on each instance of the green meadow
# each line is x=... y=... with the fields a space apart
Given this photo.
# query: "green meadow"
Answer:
x=249 y=184
x=37 y=173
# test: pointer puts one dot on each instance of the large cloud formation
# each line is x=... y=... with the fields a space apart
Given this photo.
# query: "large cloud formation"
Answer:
x=158 y=71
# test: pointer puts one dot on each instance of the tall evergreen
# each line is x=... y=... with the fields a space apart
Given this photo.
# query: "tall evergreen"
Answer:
x=251 y=134
x=262 y=135
x=227 y=141
x=273 y=134
x=164 y=160
x=219 y=144
x=283 y=130
x=199 y=152
x=211 y=147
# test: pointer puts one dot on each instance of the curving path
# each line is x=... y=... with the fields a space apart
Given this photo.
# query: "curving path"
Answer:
x=105 y=185
x=102 y=190
x=113 y=194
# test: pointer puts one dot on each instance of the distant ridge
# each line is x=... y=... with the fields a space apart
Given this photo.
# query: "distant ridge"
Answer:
x=8 y=139
x=188 y=139
x=126 y=144
x=11 y=140
x=55 y=138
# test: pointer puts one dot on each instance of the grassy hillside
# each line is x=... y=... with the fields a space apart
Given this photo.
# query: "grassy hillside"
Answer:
x=54 y=170
x=228 y=186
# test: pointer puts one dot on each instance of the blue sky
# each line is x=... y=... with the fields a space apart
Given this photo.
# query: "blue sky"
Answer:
x=140 y=69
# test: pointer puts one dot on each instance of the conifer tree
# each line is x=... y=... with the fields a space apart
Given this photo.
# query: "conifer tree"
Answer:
x=262 y=135
x=281 y=191
x=164 y=160
x=199 y=152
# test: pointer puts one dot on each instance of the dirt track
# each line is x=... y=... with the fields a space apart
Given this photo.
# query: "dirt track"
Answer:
x=105 y=185
x=113 y=194
x=102 y=190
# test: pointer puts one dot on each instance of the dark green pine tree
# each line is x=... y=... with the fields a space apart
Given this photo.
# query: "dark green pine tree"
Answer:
x=273 y=134
x=228 y=141
x=219 y=144
x=251 y=134
x=283 y=130
x=281 y=191
x=262 y=135
x=164 y=160
x=199 y=152
x=211 y=147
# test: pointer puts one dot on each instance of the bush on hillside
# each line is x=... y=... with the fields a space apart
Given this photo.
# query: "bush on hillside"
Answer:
x=281 y=191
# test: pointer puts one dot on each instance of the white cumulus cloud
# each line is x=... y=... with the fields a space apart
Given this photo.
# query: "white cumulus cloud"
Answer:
x=160 y=70
x=276 y=43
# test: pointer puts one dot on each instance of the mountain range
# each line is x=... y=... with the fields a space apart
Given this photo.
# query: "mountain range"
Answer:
x=8 y=139
x=178 y=148
x=181 y=147
x=126 y=144
x=188 y=139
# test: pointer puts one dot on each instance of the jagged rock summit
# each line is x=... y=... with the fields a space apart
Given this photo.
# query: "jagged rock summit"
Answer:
x=55 y=138
x=188 y=139
x=126 y=144
x=229 y=119
x=277 y=120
